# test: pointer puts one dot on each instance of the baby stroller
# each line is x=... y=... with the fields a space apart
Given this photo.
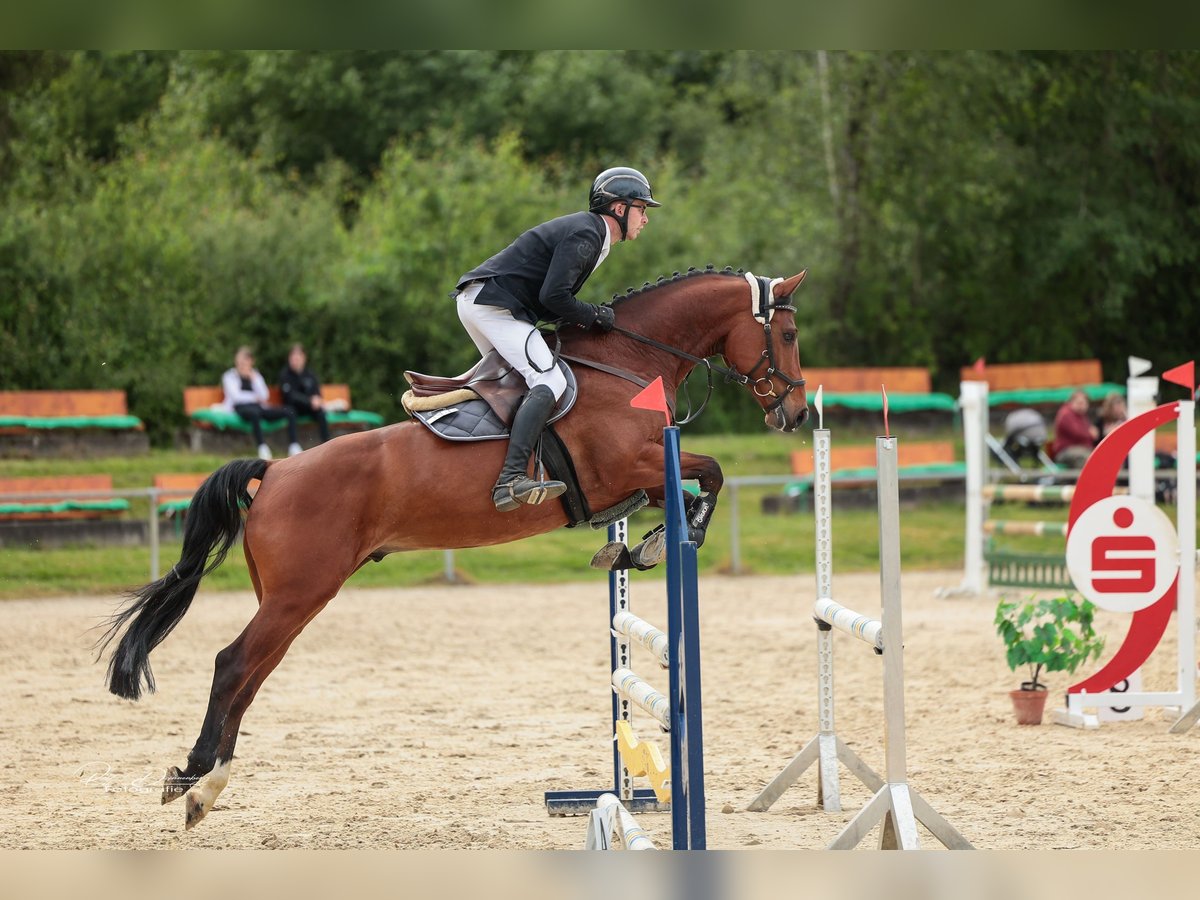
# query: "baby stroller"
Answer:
x=1025 y=436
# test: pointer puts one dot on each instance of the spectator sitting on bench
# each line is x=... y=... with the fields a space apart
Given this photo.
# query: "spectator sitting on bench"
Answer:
x=246 y=394
x=1074 y=433
x=302 y=390
x=1113 y=413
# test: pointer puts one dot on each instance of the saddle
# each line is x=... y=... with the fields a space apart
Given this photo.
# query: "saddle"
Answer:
x=479 y=404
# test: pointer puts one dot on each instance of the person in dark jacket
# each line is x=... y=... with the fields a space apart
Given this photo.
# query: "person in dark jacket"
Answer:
x=535 y=279
x=302 y=390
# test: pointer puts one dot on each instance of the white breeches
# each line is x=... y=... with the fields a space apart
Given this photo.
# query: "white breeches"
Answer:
x=522 y=345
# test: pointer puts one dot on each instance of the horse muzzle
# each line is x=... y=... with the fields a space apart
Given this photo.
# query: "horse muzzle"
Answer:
x=778 y=419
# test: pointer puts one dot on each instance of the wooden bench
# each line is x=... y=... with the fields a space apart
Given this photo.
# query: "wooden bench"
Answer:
x=63 y=500
x=909 y=389
x=206 y=396
x=1043 y=386
x=68 y=424
x=177 y=488
x=926 y=466
x=203 y=406
x=855 y=457
x=1070 y=373
x=174 y=485
x=899 y=380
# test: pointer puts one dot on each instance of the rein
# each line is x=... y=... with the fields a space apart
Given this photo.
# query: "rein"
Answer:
x=731 y=375
x=763 y=306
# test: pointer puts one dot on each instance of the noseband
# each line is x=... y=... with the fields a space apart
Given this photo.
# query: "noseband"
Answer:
x=762 y=305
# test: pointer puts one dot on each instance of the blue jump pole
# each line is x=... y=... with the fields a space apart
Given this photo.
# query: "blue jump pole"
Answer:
x=683 y=620
x=683 y=608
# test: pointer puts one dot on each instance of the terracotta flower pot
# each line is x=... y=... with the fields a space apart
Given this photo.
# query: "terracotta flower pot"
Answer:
x=1029 y=706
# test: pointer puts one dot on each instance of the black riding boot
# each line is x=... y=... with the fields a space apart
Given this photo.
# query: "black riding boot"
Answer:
x=514 y=486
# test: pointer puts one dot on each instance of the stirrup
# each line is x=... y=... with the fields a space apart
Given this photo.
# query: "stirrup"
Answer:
x=512 y=494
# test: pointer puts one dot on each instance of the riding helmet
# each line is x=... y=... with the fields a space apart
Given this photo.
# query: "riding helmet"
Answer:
x=620 y=183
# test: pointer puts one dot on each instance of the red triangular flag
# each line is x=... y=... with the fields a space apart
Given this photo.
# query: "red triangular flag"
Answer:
x=980 y=365
x=653 y=397
x=1184 y=375
x=886 y=431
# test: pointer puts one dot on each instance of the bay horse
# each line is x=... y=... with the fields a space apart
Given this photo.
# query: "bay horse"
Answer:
x=316 y=518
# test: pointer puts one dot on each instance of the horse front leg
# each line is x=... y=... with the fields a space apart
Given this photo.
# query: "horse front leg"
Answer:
x=698 y=512
x=699 y=509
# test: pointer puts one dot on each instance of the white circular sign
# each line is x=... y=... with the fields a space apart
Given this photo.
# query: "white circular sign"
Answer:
x=1123 y=553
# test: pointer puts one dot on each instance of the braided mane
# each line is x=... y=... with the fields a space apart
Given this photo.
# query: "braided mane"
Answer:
x=664 y=280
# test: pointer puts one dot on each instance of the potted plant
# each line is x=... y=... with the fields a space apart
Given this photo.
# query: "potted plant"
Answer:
x=1052 y=635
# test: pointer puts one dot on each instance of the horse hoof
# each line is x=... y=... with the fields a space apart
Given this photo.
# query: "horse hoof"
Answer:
x=650 y=552
x=174 y=785
x=612 y=557
x=194 y=812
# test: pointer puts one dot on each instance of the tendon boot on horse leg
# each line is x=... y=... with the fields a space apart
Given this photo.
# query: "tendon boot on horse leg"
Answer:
x=700 y=510
x=514 y=486
x=652 y=549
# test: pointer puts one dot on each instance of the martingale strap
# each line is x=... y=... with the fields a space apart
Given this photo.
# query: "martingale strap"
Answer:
x=620 y=373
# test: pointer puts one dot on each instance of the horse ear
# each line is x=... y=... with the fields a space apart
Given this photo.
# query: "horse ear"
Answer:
x=787 y=287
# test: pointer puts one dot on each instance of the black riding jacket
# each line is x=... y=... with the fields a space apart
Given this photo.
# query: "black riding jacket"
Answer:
x=537 y=276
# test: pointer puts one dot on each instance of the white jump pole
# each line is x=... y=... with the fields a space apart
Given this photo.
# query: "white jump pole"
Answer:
x=1185 y=492
x=895 y=805
x=826 y=749
x=973 y=401
x=610 y=817
x=899 y=807
x=1141 y=395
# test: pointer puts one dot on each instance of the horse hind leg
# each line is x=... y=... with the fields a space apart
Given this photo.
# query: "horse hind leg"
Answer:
x=202 y=793
x=178 y=781
x=240 y=670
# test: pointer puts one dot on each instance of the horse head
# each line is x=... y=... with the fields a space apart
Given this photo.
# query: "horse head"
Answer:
x=763 y=346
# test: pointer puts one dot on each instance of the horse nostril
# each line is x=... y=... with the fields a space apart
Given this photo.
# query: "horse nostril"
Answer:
x=803 y=417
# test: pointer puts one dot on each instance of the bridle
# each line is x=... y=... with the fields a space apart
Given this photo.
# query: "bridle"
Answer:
x=763 y=306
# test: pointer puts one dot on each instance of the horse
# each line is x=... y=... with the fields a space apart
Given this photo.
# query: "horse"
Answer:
x=317 y=517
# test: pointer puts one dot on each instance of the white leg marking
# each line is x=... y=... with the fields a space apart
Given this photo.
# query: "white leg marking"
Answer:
x=204 y=793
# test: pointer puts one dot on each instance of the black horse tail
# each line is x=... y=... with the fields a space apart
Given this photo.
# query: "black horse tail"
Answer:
x=213 y=522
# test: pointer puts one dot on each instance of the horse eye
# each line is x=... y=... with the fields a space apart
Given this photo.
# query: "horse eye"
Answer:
x=789 y=337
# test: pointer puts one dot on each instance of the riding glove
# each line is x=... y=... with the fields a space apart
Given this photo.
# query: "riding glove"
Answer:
x=605 y=318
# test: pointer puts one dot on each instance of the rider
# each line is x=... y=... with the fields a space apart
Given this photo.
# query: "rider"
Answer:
x=536 y=279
